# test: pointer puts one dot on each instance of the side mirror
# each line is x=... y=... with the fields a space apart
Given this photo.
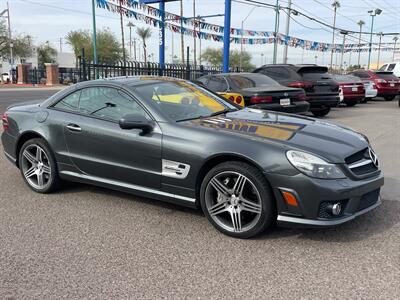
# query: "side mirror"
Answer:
x=136 y=121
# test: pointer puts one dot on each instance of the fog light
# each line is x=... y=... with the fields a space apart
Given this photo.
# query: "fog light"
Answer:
x=334 y=209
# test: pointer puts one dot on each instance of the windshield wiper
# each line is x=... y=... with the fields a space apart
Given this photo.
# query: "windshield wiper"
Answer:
x=221 y=112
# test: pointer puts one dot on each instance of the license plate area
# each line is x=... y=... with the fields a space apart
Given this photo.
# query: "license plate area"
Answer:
x=284 y=102
x=354 y=89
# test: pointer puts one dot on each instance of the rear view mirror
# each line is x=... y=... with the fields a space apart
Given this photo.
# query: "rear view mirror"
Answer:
x=136 y=121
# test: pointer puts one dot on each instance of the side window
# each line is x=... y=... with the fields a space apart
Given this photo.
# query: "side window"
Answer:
x=391 y=67
x=107 y=103
x=383 y=68
x=217 y=84
x=203 y=80
x=69 y=103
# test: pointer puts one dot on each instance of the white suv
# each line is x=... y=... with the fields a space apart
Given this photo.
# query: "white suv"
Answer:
x=392 y=67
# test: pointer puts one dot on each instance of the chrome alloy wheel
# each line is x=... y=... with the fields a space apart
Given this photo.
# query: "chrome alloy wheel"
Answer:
x=233 y=201
x=36 y=166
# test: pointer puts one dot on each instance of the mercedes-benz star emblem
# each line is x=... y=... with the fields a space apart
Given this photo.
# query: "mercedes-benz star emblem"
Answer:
x=285 y=94
x=373 y=157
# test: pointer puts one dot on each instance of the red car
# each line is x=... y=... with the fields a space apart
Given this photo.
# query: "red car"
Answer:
x=351 y=89
x=387 y=84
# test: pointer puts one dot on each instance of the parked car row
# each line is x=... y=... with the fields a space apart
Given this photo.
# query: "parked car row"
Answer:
x=301 y=88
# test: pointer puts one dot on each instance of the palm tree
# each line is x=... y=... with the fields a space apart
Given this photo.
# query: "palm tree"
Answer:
x=77 y=40
x=335 y=5
x=360 y=23
x=144 y=34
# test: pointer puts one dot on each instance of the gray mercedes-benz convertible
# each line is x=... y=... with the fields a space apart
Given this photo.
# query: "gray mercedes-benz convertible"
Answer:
x=176 y=141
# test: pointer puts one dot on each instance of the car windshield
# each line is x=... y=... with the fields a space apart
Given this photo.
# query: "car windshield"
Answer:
x=181 y=100
x=387 y=76
x=251 y=80
x=346 y=78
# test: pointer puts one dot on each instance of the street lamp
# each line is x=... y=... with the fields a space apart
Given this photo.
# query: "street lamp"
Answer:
x=344 y=32
x=241 y=37
x=372 y=13
x=360 y=23
x=379 y=49
x=395 y=39
x=130 y=25
x=335 y=5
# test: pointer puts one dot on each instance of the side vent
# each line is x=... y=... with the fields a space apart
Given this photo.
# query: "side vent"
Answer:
x=174 y=169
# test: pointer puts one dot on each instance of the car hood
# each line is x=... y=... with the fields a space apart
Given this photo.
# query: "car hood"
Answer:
x=330 y=141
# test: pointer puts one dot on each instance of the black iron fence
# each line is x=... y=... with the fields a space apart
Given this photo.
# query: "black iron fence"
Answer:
x=34 y=76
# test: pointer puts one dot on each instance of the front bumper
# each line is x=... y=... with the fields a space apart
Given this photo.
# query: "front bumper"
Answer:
x=356 y=197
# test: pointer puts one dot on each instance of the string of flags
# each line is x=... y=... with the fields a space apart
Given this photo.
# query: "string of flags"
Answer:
x=151 y=16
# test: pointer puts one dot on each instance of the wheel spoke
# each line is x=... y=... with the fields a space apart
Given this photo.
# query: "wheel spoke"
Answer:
x=219 y=186
x=239 y=185
x=40 y=179
x=250 y=206
x=218 y=208
x=30 y=172
x=236 y=221
x=29 y=157
x=46 y=169
x=38 y=154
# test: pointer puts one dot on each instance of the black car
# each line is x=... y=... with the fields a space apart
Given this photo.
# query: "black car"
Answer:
x=321 y=90
x=246 y=168
x=258 y=91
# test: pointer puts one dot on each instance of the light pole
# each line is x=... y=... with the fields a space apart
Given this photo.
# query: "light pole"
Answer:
x=360 y=23
x=276 y=32
x=316 y=59
x=241 y=37
x=182 y=37
x=289 y=11
x=379 y=49
x=344 y=32
x=372 y=13
x=94 y=33
x=335 y=5
x=130 y=25
x=395 y=39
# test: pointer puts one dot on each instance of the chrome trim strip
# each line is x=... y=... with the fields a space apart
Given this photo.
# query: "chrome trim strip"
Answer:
x=360 y=164
x=212 y=122
x=10 y=157
x=297 y=220
x=127 y=185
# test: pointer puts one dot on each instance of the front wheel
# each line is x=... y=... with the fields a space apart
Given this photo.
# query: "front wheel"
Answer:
x=321 y=112
x=237 y=200
x=38 y=166
x=389 y=98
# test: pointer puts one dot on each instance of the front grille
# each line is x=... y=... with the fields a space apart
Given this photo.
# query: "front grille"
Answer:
x=360 y=163
x=324 y=213
x=368 y=199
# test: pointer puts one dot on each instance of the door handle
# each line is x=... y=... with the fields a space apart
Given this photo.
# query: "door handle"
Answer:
x=74 y=127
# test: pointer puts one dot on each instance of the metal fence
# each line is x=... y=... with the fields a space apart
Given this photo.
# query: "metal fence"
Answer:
x=34 y=76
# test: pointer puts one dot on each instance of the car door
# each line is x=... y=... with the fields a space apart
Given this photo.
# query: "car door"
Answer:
x=98 y=147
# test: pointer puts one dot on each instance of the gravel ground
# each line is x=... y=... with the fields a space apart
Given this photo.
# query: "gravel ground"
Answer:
x=88 y=242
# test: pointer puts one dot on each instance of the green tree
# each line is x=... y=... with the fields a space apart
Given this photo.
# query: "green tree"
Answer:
x=46 y=54
x=144 y=34
x=22 y=44
x=214 y=57
x=108 y=48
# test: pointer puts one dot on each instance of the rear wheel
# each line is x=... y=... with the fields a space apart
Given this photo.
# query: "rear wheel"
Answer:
x=389 y=98
x=365 y=100
x=350 y=103
x=38 y=166
x=237 y=200
x=321 y=112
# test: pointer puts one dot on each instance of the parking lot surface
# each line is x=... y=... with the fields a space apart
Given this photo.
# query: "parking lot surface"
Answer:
x=88 y=242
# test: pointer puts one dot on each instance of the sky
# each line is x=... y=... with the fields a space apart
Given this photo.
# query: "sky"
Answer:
x=51 y=20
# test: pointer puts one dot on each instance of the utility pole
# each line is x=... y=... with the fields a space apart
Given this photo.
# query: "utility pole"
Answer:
x=227 y=35
x=372 y=13
x=172 y=46
x=134 y=49
x=344 y=32
x=285 y=50
x=122 y=35
x=360 y=23
x=60 y=45
x=182 y=37
x=94 y=41
x=241 y=37
x=335 y=5
x=379 y=49
x=10 y=41
x=276 y=32
x=130 y=25
x=395 y=39
x=194 y=33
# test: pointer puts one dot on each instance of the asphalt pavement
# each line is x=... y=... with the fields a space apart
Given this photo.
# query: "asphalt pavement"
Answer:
x=88 y=242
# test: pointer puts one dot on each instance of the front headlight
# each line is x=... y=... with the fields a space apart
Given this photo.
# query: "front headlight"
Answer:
x=313 y=166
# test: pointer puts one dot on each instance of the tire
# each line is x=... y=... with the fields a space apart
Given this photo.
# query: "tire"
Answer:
x=389 y=98
x=38 y=166
x=243 y=213
x=321 y=112
x=365 y=100
x=350 y=103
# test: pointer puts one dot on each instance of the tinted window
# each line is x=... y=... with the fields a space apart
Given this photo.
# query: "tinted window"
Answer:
x=107 y=103
x=251 y=80
x=313 y=74
x=387 y=76
x=277 y=73
x=70 y=103
x=383 y=68
x=203 y=80
x=217 y=84
x=391 y=67
x=361 y=74
x=346 y=78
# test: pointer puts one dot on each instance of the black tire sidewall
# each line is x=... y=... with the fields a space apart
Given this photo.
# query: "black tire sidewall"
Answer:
x=321 y=112
x=54 y=180
x=268 y=213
